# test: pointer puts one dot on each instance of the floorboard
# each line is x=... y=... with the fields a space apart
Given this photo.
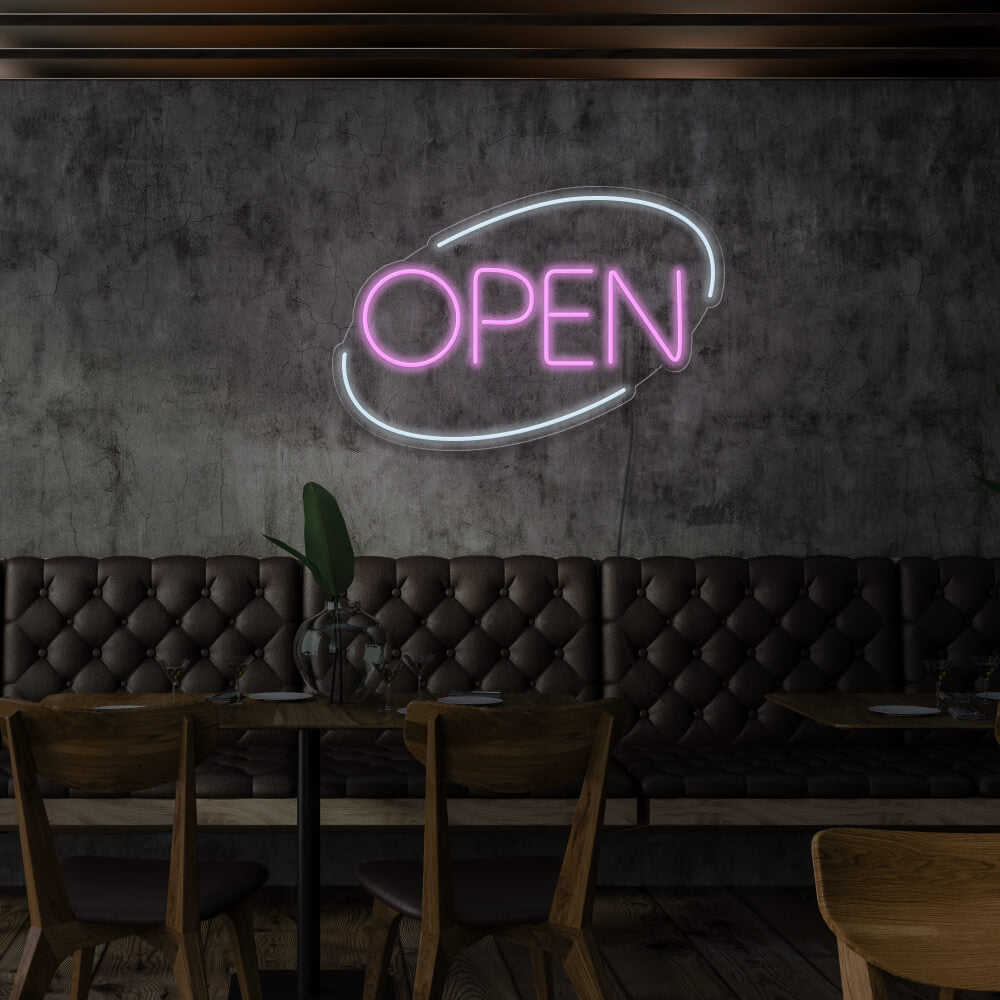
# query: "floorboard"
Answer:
x=754 y=961
x=649 y=956
x=685 y=944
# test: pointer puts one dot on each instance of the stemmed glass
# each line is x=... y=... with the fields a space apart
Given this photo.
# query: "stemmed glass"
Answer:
x=175 y=670
x=938 y=670
x=985 y=666
x=387 y=670
x=239 y=666
x=418 y=663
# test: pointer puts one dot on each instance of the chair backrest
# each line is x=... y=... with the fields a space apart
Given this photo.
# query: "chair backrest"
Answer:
x=923 y=906
x=111 y=751
x=115 y=751
x=509 y=749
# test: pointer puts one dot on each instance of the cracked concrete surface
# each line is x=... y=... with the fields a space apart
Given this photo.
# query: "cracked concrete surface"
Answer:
x=179 y=258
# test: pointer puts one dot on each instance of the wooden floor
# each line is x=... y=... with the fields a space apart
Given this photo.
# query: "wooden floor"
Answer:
x=659 y=944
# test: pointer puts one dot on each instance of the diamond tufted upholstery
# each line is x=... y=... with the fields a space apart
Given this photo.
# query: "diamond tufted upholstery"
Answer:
x=98 y=625
x=517 y=624
x=694 y=645
x=950 y=609
x=527 y=622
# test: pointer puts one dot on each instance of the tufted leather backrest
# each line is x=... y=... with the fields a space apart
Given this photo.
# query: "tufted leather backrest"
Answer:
x=950 y=609
x=694 y=645
x=516 y=624
x=527 y=622
x=97 y=625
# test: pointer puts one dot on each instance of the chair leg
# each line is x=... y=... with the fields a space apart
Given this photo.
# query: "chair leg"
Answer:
x=383 y=924
x=432 y=968
x=946 y=994
x=585 y=967
x=541 y=967
x=83 y=969
x=859 y=980
x=189 y=967
x=240 y=922
x=37 y=967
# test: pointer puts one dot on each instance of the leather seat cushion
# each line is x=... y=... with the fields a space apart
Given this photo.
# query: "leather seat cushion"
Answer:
x=236 y=771
x=387 y=771
x=796 y=771
x=134 y=891
x=980 y=764
x=240 y=771
x=486 y=891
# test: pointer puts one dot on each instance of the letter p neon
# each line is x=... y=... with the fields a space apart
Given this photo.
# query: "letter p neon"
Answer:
x=481 y=321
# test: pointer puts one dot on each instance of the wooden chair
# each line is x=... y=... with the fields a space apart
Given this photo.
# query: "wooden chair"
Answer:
x=79 y=903
x=545 y=903
x=923 y=906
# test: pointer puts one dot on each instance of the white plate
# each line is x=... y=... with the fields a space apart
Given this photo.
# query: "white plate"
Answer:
x=471 y=699
x=904 y=710
x=114 y=708
x=281 y=696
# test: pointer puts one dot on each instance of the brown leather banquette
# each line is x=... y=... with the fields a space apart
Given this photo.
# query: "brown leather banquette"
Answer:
x=692 y=646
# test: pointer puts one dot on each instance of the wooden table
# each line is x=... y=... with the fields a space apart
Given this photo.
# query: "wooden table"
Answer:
x=309 y=718
x=850 y=711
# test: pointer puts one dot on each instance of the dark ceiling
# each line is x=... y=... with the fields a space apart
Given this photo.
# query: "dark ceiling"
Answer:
x=568 y=40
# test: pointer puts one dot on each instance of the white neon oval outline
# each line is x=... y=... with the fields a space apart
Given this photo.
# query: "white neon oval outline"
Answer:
x=614 y=198
x=471 y=438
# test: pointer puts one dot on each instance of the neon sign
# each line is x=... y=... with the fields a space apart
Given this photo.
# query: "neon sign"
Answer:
x=674 y=356
x=451 y=313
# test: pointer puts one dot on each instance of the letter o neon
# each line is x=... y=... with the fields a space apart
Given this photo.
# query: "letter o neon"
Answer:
x=417 y=272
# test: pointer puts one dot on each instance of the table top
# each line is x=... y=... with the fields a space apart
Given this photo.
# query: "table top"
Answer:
x=851 y=710
x=251 y=714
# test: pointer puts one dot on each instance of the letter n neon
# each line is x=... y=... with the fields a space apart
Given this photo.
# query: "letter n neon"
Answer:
x=674 y=356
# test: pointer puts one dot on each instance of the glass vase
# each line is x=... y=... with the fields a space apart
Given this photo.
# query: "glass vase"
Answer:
x=338 y=652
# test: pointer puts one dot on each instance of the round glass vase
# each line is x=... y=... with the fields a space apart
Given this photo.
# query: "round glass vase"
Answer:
x=338 y=652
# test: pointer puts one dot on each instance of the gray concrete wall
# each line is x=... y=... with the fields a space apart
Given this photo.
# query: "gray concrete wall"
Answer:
x=179 y=259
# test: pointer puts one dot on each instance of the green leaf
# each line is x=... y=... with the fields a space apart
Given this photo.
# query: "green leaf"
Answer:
x=323 y=583
x=328 y=543
x=990 y=483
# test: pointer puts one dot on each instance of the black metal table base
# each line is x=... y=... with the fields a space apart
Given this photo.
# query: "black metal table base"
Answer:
x=308 y=981
x=331 y=984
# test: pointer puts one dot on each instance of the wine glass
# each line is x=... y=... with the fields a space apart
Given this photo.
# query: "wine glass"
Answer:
x=239 y=665
x=985 y=666
x=387 y=670
x=418 y=663
x=175 y=670
x=938 y=670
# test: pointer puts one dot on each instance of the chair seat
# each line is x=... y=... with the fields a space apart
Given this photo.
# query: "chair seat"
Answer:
x=487 y=891
x=134 y=891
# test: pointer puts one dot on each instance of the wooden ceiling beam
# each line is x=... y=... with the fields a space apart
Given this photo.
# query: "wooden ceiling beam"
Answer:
x=553 y=39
